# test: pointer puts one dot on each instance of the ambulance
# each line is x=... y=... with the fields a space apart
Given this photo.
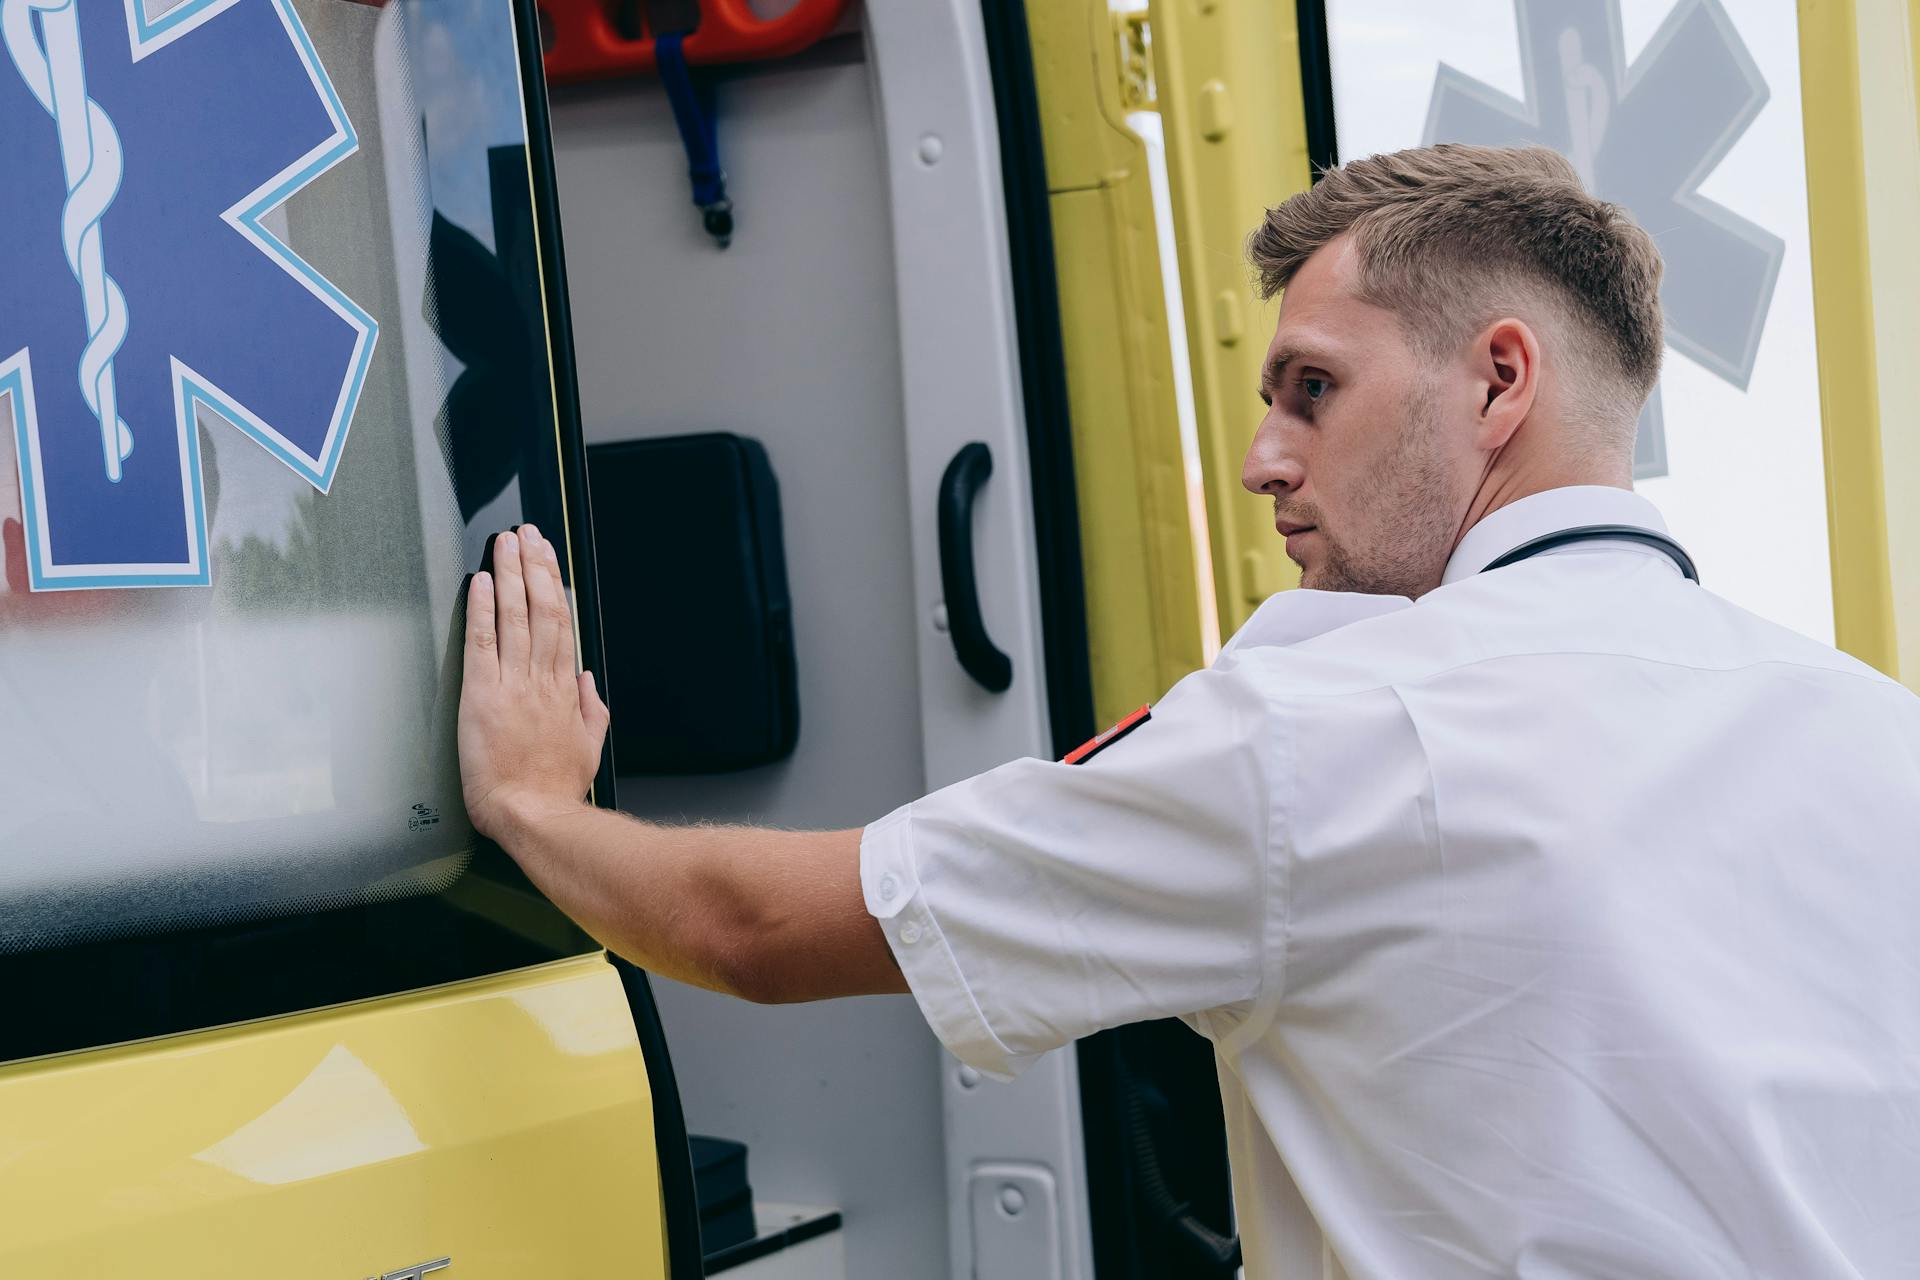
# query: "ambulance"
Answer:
x=884 y=370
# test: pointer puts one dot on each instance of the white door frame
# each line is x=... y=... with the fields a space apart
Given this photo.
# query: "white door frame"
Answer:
x=961 y=374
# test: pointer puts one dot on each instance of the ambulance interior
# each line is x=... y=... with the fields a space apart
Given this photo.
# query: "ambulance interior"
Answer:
x=848 y=332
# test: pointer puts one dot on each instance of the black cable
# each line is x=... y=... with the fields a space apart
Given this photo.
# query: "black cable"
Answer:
x=1217 y=1252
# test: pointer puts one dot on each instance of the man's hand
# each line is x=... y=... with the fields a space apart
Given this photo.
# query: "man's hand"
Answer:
x=769 y=915
x=530 y=729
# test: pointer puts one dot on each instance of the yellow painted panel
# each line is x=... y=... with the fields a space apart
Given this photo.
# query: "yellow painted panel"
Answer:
x=1137 y=544
x=1888 y=41
x=1859 y=165
x=1890 y=120
x=1137 y=547
x=1076 y=78
x=1230 y=93
x=504 y=1123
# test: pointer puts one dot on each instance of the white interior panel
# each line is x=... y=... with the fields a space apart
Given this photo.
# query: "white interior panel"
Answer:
x=789 y=337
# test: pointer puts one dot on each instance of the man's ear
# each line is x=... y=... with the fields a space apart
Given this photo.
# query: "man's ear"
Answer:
x=1506 y=356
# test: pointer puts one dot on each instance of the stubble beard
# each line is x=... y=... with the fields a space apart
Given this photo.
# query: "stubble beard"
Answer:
x=1412 y=516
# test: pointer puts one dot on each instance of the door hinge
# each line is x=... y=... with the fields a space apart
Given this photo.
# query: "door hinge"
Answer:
x=1135 y=39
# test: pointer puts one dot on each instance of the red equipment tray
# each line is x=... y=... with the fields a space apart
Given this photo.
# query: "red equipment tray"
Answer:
x=586 y=46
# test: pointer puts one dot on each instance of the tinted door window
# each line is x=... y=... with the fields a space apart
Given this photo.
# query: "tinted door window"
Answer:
x=318 y=301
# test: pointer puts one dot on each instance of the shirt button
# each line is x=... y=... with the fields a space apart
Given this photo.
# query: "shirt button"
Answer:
x=909 y=933
x=888 y=888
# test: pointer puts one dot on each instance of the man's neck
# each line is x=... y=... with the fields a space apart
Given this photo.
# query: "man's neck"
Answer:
x=1509 y=479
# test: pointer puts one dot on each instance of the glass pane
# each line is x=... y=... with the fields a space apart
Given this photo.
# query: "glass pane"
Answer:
x=1689 y=115
x=273 y=363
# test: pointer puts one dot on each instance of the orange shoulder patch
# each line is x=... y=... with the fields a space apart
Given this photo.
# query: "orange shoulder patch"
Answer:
x=1101 y=741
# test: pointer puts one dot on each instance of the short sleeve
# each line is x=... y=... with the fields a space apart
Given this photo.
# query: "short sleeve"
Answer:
x=1041 y=902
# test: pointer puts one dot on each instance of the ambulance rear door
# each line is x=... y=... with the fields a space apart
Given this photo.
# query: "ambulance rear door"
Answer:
x=283 y=338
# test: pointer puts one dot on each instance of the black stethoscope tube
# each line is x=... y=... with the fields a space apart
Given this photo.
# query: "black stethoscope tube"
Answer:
x=1601 y=533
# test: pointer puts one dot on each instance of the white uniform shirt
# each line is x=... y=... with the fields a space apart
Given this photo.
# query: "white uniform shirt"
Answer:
x=1563 y=923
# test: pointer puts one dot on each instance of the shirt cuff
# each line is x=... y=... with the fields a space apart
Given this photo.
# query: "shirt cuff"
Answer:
x=890 y=883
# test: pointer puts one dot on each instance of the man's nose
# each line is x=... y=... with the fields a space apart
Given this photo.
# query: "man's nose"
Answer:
x=1269 y=467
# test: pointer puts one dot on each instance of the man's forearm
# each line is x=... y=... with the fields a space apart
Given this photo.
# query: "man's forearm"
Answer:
x=651 y=894
x=755 y=913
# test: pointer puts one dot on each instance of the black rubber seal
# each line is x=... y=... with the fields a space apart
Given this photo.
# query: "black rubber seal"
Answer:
x=1316 y=85
x=680 y=1205
x=1043 y=375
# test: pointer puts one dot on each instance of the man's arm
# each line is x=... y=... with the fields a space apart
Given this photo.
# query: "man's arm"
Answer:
x=773 y=916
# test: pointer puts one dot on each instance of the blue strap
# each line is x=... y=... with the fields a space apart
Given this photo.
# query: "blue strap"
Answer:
x=693 y=112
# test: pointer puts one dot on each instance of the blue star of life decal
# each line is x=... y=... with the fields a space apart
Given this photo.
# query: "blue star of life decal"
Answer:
x=1644 y=136
x=138 y=283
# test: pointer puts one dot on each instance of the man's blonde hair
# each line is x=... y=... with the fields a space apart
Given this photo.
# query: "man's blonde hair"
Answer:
x=1448 y=236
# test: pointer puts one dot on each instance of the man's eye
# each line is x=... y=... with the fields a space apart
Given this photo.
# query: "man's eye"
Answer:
x=1314 y=388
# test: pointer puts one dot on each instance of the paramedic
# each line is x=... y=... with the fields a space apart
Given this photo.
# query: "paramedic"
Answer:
x=1549 y=915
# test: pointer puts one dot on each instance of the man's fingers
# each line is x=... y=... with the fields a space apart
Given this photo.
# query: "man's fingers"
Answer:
x=550 y=622
x=565 y=662
x=510 y=604
x=483 y=644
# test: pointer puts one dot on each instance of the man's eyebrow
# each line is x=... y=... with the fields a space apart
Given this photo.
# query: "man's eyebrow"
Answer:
x=1276 y=369
x=1276 y=366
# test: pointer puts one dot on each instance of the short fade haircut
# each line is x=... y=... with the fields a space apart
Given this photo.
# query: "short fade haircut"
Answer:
x=1445 y=233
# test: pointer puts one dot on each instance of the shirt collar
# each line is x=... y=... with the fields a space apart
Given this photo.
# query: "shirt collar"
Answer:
x=1549 y=511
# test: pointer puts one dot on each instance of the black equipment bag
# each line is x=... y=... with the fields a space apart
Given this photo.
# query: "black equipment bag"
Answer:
x=694 y=605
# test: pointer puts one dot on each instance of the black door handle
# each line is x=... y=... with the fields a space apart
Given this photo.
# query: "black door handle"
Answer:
x=978 y=655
